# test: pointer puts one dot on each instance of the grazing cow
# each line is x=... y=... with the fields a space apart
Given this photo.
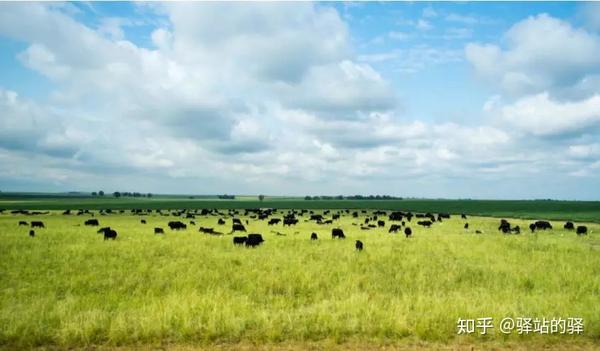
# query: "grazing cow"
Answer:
x=394 y=228
x=516 y=230
x=236 y=221
x=92 y=222
x=504 y=226
x=103 y=230
x=466 y=226
x=582 y=230
x=221 y=221
x=337 y=233
x=22 y=223
x=407 y=231
x=478 y=231
x=239 y=240
x=143 y=221
x=192 y=223
x=274 y=221
x=532 y=227
x=425 y=223
x=314 y=236
x=110 y=234
x=569 y=226
x=358 y=245
x=177 y=225
x=381 y=223
x=208 y=231
x=463 y=216
x=543 y=225
x=254 y=240
x=158 y=230
x=289 y=221
x=238 y=227
x=31 y=233
x=38 y=224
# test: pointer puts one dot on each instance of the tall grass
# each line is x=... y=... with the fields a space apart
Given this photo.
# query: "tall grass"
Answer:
x=69 y=288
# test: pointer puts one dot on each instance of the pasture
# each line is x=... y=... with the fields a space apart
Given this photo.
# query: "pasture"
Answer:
x=68 y=288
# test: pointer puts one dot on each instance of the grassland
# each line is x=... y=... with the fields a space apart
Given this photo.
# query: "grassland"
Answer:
x=588 y=211
x=67 y=288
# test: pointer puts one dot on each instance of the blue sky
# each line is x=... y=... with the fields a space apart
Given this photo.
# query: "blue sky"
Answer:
x=423 y=99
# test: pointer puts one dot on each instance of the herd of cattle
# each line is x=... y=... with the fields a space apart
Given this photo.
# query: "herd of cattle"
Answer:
x=372 y=219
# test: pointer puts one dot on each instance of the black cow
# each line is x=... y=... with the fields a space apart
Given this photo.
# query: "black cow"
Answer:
x=38 y=224
x=289 y=221
x=463 y=216
x=158 y=230
x=466 y=226
x=236 y=221
x=516 y=230
x=314 y=236
x=532 y=227
x=381 y=223
x=504 y=226
x=239 y=240
x=110 y=234
x=543 y=225
x=358 y=245
x=238 y=227
x=337 y=233
x=394 y=228
x=425 y=223
x=569 y=226
x=407 y=231
x=221 y=221
x=22 y=223
x=273 y=221
x=254 y=240
x=478 y=231
x=143 y=221
x=582 y=230
x=177 y=225
x=31 y=233
x=103 y=230
x=92 y=222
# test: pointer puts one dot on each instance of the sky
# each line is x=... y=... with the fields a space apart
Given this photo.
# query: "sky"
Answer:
x=414 y=99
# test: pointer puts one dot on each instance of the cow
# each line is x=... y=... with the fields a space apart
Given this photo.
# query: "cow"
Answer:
x=92 y=222
x=582 y=230
x=543 y=225
x=238 y=227
x=31 y=233
x=478 y=231
x=504 y=226
x=208 y=231
x=158 y=230
x=254 y=240
x=221 y=221
x=22 y=223
x=407 y=232
x=192 y=223
x=239 y=240
x=516 y=230
x=532 y=227
x=38 y=224
x=289 y=221
x=358 y=245
x=274 y=221
x=177 y=225
x=425 y=223
x=143 y=221
x=110 y=234
x=569 y=226
x=314 y=236
x=381 y=223
x=394 y=228
x=463 y=216
x=236 y=221
x=466 y=226
x=337 y=233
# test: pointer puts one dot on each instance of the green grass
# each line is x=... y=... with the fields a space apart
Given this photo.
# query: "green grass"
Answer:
x=68 y=288
x=588 y=211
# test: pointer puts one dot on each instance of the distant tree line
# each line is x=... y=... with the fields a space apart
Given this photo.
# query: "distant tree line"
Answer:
x=226 y=197
x=130 y=194
x=353 y=197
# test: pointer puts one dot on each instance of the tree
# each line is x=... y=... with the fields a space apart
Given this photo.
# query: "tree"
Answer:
x=117 y=194
x=261 y=197
x=101 y=193
x=149 y=195
x=94 y=193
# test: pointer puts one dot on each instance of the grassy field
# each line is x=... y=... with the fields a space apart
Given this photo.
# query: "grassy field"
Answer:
x=67 y=288
x=588 y=211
